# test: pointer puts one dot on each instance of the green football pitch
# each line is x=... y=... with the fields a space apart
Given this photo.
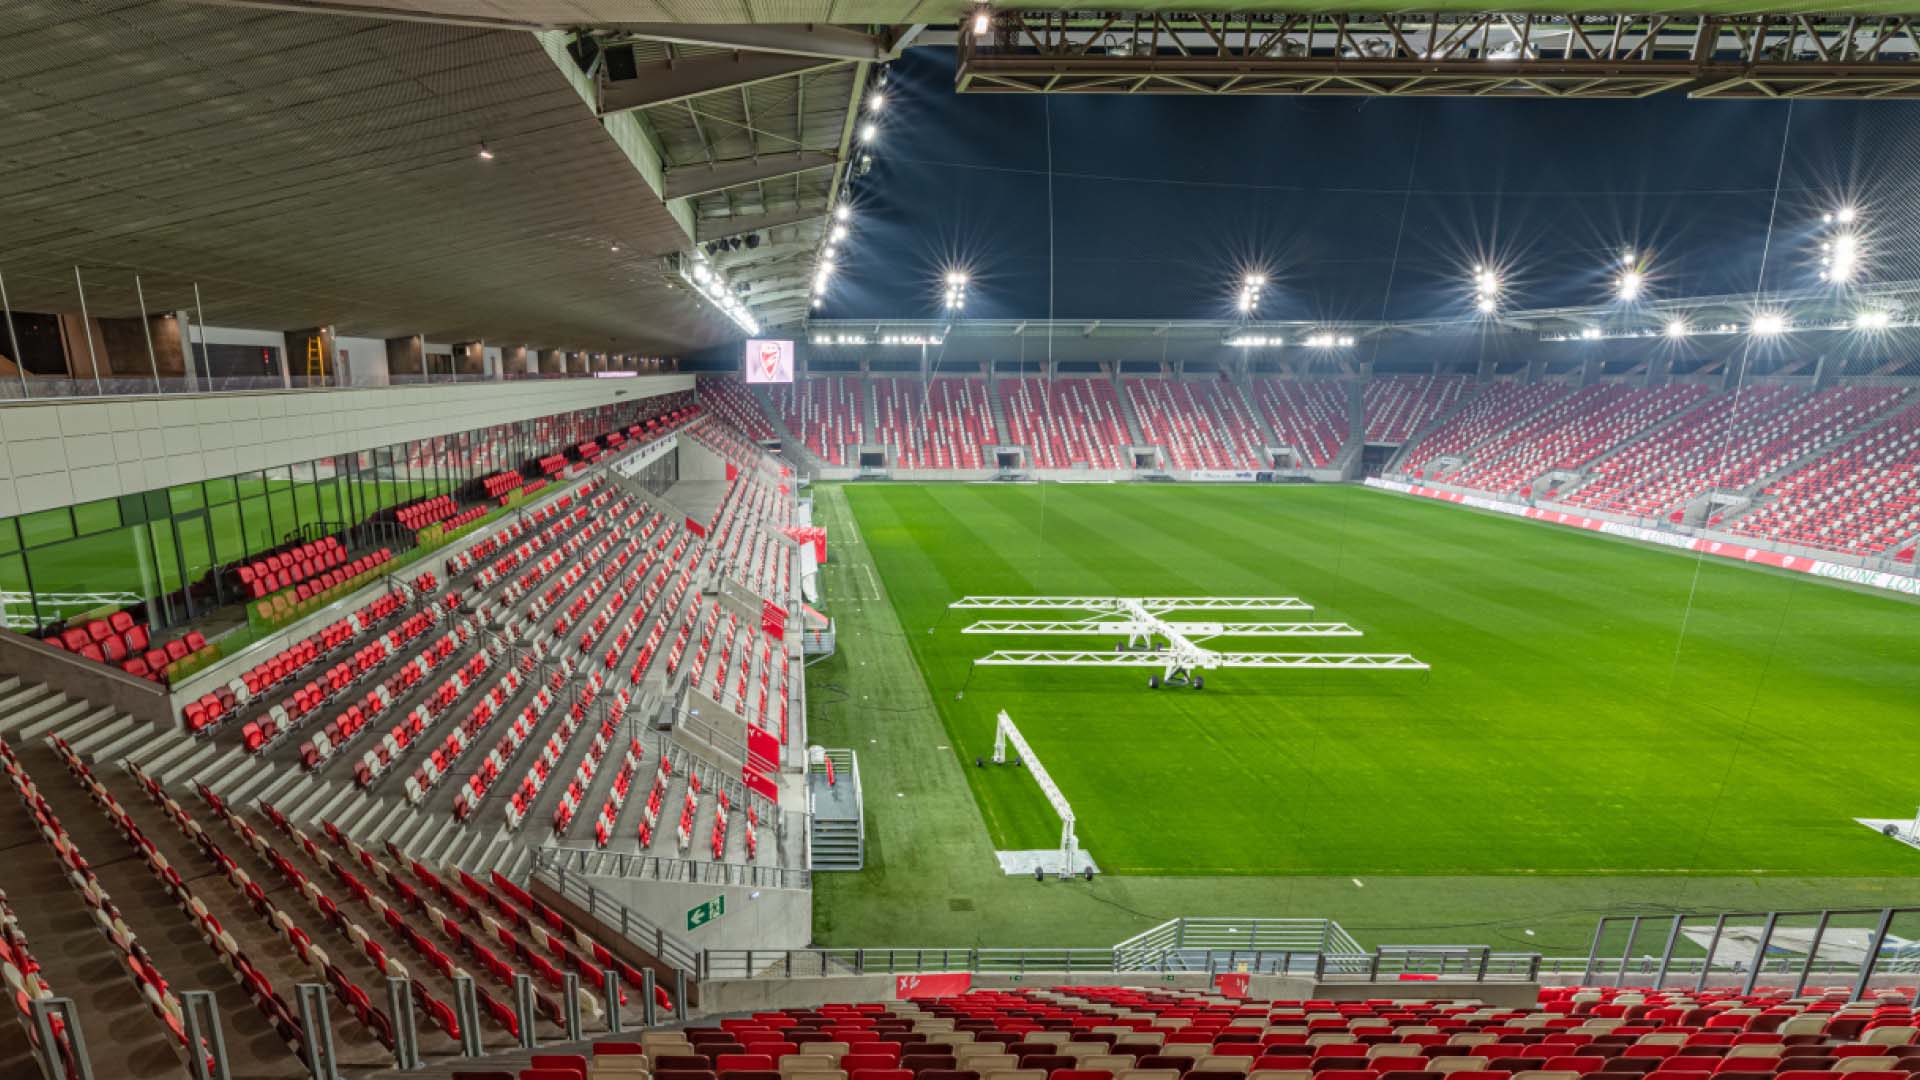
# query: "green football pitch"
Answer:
x=1604 y=723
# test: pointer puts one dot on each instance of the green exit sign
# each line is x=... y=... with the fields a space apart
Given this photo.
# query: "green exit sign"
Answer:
x=700 y=915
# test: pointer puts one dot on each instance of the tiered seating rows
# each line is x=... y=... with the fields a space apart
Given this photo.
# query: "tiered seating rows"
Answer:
x=1862 y=498
x=939 y=423
x=733 y=402
x=1200 y=424
x=1066 y=422
x=1399 y=406
x=1569 y=433
x=823 y=411
x=136 y=962
x=1308 y=415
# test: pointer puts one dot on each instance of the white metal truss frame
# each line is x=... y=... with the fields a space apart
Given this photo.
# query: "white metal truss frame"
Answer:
x=1095 y=658
x=1198 y=631
x=1005 y=732
x=1155 y=604
x=1174 y=647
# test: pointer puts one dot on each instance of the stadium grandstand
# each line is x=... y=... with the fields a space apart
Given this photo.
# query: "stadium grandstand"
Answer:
x=527 y=532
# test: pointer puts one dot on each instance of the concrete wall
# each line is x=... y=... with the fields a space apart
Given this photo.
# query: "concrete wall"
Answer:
x=756 y=918
x=364 y=360
x=58 y=453
x=84 y=680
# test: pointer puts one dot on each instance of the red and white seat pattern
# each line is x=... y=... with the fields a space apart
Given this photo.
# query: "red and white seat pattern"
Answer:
x=1569 y=433
x=1308 y=415
x=1728 y=443
x=1862 y=498
x=1493 y=409
x=940 y=423
x=1400 y=406
x=732 y=401
x=1201 y=424
x=1066 y=422
x=823 y=411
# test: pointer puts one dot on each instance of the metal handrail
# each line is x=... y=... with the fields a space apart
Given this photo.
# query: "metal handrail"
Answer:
x=640 y=867
x=1455 y=963
x=609 y=912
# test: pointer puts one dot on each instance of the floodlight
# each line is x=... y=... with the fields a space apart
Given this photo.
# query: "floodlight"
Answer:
x=1486 y=305
x=869 y=132
x=1677 y=328
x=842 y=212
x=1872 y=320
x=838 y=234
x=876 y=101
x=1590 y=333
x=982 y=20
x=1845 y=215
x=1630 y=284
x=1767 y=324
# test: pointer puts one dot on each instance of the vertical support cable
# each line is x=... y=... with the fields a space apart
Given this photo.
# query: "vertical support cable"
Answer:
x=86 y=329
x=19 y=365
x=153 y=361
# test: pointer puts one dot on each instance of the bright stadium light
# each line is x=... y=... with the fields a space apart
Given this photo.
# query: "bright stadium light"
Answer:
x=842 y=212
x=1873 y=320
x=1487 y=305
x=982 y=20
x=1629 y=257
x=1678 y=328
x=1845 y=215
x=869 y=132
x=1768 y=324
x=1486 y=289
x=1842 y=260
x=956 y=289
x=1630 y=283
x=838 y=234
x=1589 y=333
x=876 y=101
x=1250 y=286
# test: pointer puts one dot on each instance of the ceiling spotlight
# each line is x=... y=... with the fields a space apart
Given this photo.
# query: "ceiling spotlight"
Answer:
x=838 y=234
x=876 y=101
x=842 y=212
x=982 y=20
x=869 y=132
x=1768 y=324
x=1630 y=284
x=485 y=154
x=1677 y=328
x=1873 y=320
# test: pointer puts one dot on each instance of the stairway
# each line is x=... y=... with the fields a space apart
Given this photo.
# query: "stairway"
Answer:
x=1134 y=436
x=836 y=845
x=1268 y=437
x=998 y=410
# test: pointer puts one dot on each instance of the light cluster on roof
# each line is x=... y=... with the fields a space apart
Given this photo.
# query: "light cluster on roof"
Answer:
x=827 y=258
x=710 y=284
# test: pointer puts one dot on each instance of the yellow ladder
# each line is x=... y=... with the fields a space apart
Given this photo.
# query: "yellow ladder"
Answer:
x=316 y=358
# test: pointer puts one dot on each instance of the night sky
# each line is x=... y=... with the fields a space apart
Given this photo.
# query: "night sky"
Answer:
x=1089 y=206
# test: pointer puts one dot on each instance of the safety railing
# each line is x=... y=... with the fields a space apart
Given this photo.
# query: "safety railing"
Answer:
x=1465 y=963
x=1745 y=950
x=614 y=915
x=613 y=864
